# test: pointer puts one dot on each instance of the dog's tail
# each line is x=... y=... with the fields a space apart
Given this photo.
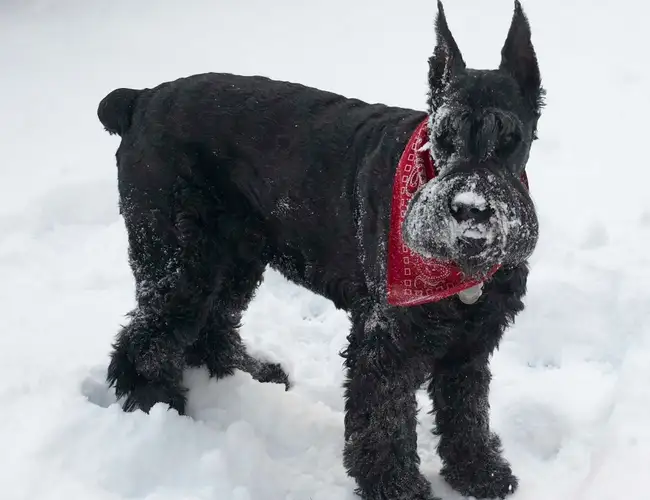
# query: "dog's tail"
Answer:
x=116 y=109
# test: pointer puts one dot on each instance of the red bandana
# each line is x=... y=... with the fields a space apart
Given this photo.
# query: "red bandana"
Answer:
x=412 y=279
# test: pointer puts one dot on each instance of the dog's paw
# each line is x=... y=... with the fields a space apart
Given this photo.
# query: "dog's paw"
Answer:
x=485 y=479
x=403 y=487
x=272 y=373
x=146 y=395
x=138 y=390
x=264 y=371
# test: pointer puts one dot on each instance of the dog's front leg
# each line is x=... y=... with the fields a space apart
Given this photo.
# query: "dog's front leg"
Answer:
x=380 y=422
x=472 y=460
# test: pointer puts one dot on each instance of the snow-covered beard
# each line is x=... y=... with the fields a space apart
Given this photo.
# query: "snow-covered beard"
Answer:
x=505 y=234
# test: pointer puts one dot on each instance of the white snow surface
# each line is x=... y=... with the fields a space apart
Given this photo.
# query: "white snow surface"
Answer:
x=571 y=393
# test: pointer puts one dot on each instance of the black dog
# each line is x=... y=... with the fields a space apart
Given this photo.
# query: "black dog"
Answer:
x=222 y=175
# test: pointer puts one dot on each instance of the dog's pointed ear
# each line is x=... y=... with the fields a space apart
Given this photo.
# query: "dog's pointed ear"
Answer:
x=518 y=57
x=447 y=61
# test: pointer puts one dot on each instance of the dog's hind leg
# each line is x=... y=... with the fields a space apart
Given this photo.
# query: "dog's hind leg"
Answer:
x=219 y=347
x=183 y=246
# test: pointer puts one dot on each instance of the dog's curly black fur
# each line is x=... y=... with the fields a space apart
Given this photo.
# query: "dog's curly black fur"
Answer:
x=221 y=175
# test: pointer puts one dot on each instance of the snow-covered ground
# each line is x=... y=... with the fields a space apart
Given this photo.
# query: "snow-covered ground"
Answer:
x=571 y=389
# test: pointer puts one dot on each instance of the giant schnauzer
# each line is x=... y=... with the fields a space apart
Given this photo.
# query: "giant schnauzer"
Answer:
x=418 y=224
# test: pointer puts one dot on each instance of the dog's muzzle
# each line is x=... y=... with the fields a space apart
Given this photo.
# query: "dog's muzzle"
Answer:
x=475 y=219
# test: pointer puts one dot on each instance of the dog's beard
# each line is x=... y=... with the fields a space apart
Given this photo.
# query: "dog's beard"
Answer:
x=507 y=236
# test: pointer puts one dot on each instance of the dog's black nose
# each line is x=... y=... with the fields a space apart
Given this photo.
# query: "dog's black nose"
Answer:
x=477 y=212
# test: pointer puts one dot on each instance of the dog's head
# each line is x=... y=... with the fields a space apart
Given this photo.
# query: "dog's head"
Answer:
x=477 y=211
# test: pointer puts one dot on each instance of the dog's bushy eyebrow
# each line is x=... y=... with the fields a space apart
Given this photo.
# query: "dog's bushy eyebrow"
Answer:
x=486 y=136
x=479 y=135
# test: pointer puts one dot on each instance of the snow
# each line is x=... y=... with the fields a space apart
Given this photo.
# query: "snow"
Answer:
x=470 y=199
x=570 y=394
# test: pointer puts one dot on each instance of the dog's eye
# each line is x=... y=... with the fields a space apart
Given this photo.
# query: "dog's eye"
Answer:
x=509 y=143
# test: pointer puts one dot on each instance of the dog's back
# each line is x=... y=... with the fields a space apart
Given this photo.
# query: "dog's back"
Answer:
x=290 y=150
